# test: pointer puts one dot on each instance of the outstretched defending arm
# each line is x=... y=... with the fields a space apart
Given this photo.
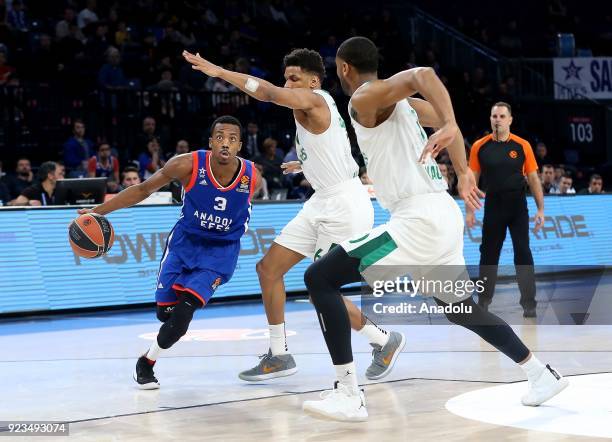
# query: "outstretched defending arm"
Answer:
x=262 y=90
x=178 y=167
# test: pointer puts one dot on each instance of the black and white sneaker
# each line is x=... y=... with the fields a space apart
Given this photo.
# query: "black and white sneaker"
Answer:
x=547 y=385
x=144 y=376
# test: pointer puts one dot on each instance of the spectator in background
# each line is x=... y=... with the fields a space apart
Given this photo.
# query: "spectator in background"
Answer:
x=129 y=177
x=2 y=172
x=595 y=186
x=41 y=193
x=77 y=150
x=87 y=15
x=151 y=160
x=104 y=164
x=111 y=74
x=22 y=179
x=182 y=146
x=271 y=162
x=559 y=172
x=5 y=196
x=450 y=179
x=291 y=155
x=251 y=147
x=62 y=28
x=16 y=18
x=262 y=193
x=548 y=178
x=565 y=186
x=300 y=189
x=6 y=71
x=148 y=133
x=541 y=154
x=328 y=52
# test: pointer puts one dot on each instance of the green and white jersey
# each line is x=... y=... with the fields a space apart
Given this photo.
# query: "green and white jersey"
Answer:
x=326 y=158
x=391 y=152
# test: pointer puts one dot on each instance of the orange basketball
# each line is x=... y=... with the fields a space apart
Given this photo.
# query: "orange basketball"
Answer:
x=91 y=235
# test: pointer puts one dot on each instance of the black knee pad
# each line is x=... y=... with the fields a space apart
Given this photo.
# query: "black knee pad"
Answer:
x=176 y=326
x=164 y=311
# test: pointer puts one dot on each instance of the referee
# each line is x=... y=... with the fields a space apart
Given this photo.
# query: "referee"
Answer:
x=504 y=160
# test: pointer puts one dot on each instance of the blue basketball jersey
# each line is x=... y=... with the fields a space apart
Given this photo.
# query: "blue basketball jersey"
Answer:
x=214 y=211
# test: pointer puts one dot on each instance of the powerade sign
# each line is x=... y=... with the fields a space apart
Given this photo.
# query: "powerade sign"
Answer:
x=577 y=78
x=38 y=270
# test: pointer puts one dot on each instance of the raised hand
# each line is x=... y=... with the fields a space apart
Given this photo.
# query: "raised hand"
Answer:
x=202 y=65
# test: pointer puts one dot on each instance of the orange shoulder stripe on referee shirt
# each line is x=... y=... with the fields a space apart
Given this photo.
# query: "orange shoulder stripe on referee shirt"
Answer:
x=474 y=163
x=530 y=164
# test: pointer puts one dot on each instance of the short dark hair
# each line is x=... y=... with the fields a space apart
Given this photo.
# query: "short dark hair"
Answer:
x=548 y=166
x=307 y=59
x=360 y=52
x=45 y=169
x=226 y=119
x=503 y=104
x=129 y=169
x=567 y=175
x=595 y=176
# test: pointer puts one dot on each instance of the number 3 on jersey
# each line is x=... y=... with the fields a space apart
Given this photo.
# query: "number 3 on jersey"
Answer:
x=221 y=203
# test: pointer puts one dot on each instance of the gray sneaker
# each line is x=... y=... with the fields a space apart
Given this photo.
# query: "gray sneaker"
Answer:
x=270 y=367
x=383 y=358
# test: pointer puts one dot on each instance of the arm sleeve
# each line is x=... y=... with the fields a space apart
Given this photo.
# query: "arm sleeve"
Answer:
x=530 y=162
x=474 y=163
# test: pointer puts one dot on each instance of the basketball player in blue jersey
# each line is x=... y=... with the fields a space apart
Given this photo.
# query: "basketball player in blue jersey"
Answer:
x=202 y=249
x=340 y=207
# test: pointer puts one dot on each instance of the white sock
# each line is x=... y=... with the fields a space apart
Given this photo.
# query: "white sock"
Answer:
x=278 y=340
x=347 y=376
x=533 y=367
x=374 y=334
x=154 y=351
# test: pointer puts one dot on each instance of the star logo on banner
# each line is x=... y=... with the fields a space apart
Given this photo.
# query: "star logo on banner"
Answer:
x=202 y=172
x=572 y=71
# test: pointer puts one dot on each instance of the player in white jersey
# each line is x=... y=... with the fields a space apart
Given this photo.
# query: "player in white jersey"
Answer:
x=339 y=209
x=425 y=228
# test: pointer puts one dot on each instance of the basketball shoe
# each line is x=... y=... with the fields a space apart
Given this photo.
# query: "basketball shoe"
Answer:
x=270 y=367
x=144 y=376
x=383 y=358
x=339 y=404
x=545 y=386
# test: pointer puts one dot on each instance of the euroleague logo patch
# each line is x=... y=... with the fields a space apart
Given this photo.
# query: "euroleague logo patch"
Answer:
x=244 y=185
x=221 y=334
x=513 y=154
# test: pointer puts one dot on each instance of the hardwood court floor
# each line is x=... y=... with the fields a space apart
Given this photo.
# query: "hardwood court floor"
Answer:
x=77 y=368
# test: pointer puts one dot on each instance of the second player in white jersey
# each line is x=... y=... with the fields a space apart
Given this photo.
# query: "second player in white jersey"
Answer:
x=392 y=151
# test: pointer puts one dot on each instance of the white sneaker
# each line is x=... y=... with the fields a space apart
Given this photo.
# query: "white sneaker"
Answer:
x=544 y=387
x=339 y=404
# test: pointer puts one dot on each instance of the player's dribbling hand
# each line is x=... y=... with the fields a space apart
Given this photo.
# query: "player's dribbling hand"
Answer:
x=84 y=211
x=291 y=167
x=439 y=140
x=469 y=191
x=202 y=65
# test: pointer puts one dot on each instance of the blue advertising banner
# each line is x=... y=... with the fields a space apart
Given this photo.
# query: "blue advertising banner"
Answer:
x=38 y=270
